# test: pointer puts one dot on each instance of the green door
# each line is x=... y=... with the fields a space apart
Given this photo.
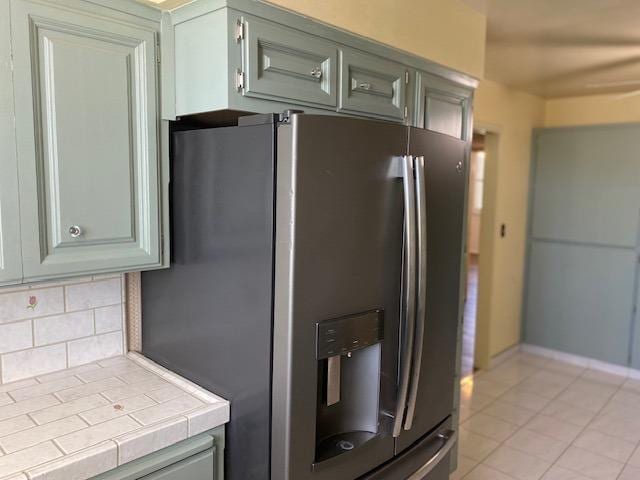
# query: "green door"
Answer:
x=10 y=260
x=582 y=264
x=85 y=87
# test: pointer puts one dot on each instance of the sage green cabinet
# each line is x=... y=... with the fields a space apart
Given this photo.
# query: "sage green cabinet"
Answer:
x=372 y=85
x=282 y=63
x=87 y=139
x=10 y=258
x=196 y=458
x=443 y=106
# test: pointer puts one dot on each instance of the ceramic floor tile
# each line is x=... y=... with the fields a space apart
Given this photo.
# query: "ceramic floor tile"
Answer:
x=560 y=473
x=612 y=447
x=489 y=388
x=590 y=464
x=603 y=377
x=517 y=464
x=635 y=458
x=474 y=401
x=509 y=413
x=523 y=398
x=585 y=400
x=541 y=387
x=632 y=385
x=554 y=428
x=465 y=465
x=475 y=446
x=627 y=429
x=483 y=472
x=537 y=444
x=490 y=427
x=569 y=413
x=630 y=473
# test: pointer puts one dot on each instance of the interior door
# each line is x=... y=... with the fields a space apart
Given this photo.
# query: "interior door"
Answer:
x=431 y=390
x=339 y=241
x=585 y=212
x=87 y=140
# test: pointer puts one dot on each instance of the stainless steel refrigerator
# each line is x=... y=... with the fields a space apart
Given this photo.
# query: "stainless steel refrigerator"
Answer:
x=315 y=283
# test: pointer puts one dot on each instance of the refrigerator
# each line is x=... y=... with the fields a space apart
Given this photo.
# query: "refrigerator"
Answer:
x=315 y=283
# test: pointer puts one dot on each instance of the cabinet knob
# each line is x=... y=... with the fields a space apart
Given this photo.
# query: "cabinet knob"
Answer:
x=316 y=72
x=75 y=231
x=365 y=86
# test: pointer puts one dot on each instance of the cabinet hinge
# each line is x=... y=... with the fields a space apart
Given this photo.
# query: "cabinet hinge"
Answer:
x=406 y=77
x=239 y=79
x=239 y=30
x=157 y=51
x=406 y=112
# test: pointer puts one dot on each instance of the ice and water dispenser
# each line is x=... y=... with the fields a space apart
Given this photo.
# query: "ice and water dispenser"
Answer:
x=348 y=356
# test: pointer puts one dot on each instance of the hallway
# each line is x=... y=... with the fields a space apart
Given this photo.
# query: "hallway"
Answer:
x=469 y=322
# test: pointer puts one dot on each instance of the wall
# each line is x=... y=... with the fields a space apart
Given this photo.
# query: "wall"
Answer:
x=592 y=110
x=512 y=115
x=52 y=326
x=445 y=31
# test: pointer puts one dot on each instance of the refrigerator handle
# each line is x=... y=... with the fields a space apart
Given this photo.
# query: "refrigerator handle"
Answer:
x=407 y=313
x=421 y=220
x=448 y=440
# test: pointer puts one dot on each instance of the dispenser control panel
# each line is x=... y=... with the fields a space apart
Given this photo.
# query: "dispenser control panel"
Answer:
x=340 y=336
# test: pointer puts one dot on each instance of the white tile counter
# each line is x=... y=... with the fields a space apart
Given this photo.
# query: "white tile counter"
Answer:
x=83 y=421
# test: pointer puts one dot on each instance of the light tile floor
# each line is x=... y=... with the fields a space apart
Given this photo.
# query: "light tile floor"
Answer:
x=532 y=418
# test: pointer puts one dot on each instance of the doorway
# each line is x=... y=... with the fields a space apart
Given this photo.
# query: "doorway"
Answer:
x=474 y=221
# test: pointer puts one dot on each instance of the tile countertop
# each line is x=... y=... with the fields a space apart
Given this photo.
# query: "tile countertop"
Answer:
x=83 y=421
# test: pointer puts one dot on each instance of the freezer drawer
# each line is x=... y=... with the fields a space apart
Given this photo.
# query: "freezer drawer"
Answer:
x=427 y=459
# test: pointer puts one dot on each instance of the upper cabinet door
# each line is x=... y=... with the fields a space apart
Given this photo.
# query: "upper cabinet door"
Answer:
x=86 y=118
x=443 y=106
x=10 y=258
x=372 y=85
x=284 y=64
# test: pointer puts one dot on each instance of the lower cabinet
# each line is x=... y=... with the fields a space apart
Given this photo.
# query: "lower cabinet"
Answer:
x=85 y=86
x=197 y=458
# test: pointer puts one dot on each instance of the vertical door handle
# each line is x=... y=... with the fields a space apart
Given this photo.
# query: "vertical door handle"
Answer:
x=407 y=313
x=421 y=310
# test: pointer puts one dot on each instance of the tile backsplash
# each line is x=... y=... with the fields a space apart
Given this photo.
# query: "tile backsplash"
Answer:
x=51 y=326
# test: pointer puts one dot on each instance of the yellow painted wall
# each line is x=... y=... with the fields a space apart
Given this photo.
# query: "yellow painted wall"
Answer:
x=592 y=110
x=513 y=115
x=445 y=31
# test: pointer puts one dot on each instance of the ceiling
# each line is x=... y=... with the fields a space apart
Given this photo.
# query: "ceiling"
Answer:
x=559 y=48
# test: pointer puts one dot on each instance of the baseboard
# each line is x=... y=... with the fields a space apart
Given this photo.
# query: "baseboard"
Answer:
x=504 y=356
x=581 y=361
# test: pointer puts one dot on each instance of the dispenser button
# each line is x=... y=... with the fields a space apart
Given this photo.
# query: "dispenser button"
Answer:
x=345 y=445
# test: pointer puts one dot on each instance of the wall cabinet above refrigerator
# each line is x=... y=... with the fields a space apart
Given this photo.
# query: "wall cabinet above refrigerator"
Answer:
x=252 y=57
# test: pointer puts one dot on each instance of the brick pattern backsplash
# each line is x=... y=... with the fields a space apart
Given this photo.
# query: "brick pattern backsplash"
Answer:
x=50 y=326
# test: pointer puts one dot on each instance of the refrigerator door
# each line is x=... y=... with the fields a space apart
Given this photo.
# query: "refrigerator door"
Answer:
x=338 y=254
x=440 y=186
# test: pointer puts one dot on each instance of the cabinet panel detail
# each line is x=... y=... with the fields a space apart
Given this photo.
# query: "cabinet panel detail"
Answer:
x=281 y=62
x=443 y=106
x=372 y=85
x=87 y=149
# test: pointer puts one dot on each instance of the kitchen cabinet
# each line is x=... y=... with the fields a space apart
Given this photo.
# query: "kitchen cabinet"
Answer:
x=238 y=56
x=87 y=137
x=443 y=106
x=10 y=259
x=282 y=63
x=372 y=85
x=197 y=458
